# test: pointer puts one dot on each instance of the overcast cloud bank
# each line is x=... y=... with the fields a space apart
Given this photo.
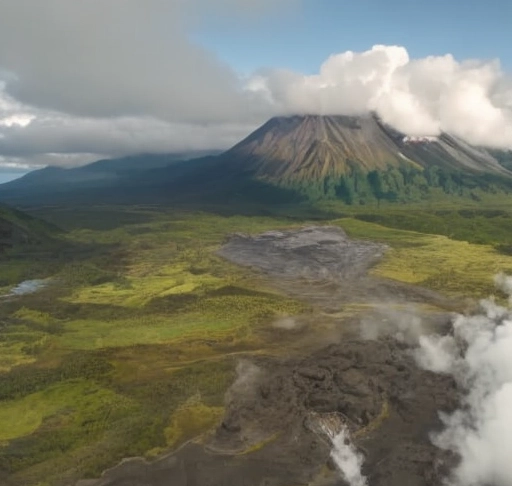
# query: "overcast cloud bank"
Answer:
x=116 y=77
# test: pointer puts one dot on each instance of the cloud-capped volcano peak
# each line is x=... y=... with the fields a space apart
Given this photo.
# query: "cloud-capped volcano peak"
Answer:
x=313 y=147
x=419 y=97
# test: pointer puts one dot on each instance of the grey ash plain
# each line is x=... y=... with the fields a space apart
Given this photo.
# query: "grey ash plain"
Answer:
x=322 y=253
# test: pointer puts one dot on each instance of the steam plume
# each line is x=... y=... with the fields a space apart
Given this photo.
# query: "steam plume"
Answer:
x=479 y=356
x=348 y=460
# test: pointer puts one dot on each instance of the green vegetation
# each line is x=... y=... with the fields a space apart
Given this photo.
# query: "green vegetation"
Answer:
x=131 y=347
x=433 y=261
x=140 y=318
x=403 y=184
x=28 y=223
x=75 y=402
x=483 y=226
x=190 y=420
x=504 y=157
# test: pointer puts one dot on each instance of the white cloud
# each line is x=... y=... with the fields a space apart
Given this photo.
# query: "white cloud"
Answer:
x=104 y=58
x=16 y=165
x=16 y=120
x=117 y=137
x=33 y=137
x=419 y=97
x=113 y=77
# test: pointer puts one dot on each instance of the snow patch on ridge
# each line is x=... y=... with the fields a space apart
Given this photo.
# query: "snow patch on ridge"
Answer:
x=411 y=139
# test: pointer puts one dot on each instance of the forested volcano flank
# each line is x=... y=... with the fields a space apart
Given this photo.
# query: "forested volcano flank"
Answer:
x=348 y=156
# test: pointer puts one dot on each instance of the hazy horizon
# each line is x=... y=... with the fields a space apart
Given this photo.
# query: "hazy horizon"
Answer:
x=11 y=176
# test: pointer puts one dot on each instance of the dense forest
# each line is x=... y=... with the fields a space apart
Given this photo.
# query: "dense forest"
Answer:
x=403 y=184
x=504 y=157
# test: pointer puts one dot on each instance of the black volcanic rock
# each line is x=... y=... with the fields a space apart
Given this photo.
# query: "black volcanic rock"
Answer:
x=281 y=408
x=275 y=436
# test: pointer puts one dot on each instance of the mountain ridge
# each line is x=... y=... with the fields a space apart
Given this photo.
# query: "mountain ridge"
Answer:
x=287 y=159
x=105 y=170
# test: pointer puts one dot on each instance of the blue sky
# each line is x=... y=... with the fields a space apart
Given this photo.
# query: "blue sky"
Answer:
x=301 y=38
x=10 y=176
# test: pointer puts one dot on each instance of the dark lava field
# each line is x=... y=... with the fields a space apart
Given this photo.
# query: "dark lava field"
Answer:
x=361 y=378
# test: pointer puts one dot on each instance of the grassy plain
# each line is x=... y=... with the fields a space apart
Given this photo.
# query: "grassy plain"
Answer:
x=453 y=267
x=130 y=349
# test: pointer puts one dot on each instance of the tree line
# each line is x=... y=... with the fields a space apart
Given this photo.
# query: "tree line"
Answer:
x=403 y=184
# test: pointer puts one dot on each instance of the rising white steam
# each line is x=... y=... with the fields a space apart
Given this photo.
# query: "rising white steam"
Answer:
x=346 y=457
x=247 y=374
x=479 y=356
x=504 y=283
x=403 y=324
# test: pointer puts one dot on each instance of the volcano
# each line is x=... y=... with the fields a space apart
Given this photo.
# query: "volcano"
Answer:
x=311 y=148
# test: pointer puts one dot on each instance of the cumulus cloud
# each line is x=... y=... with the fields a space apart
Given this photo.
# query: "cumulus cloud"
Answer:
x=420 y=97
x=479 y=355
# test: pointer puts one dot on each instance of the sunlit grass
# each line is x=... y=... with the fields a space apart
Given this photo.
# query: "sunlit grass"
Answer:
x=65 y=404
x=214 y=318
x=91 y=334
x=434 y=261
x=12 y=354
x=190 y=420
x=136 y=291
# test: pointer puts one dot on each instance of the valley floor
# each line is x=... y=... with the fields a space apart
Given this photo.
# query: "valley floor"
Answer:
x=131 y=347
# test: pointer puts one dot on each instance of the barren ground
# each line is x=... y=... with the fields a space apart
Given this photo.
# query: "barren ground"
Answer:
x=271 y=432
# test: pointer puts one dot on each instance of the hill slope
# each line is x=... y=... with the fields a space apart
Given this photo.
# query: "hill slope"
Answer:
x=18 y=229
x=102 y=173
